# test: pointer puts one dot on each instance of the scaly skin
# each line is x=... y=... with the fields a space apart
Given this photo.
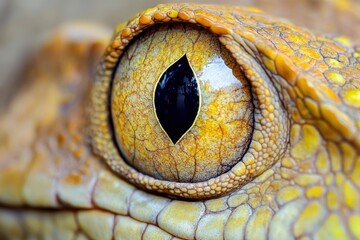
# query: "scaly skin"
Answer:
x=56 y=186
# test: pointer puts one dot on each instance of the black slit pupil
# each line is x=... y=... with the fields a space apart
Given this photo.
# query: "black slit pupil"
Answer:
x=177 y=99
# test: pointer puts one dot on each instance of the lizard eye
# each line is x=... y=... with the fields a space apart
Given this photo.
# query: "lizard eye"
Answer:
x=181 y=108
x=174 y=111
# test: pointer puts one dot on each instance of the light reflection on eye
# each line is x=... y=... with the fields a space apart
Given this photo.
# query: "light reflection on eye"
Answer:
x=216 y=69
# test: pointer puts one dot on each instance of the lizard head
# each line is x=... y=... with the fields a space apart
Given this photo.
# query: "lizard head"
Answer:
x=270 y=148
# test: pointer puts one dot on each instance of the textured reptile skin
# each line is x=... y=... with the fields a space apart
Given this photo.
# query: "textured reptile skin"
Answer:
x=52 y=185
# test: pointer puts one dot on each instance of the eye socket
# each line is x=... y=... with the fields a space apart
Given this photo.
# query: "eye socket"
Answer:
x=240 y=128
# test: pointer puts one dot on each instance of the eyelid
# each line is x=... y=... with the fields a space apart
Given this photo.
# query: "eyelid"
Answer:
x=270 y=136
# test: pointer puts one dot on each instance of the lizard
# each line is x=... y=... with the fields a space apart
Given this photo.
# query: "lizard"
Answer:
x=308 y=187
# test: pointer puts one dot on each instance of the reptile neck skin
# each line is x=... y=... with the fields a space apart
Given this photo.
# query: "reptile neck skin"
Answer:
x=54 y=185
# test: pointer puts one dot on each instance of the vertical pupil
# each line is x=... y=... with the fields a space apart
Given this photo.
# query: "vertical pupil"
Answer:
x=177 y=99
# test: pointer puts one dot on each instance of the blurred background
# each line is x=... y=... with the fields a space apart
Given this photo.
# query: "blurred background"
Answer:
x=25 y=23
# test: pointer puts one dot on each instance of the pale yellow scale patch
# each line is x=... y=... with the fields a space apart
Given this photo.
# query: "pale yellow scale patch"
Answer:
x=332 y=228
x=312 y=107
x=181 y=218
x=295 y=38
x=37 y=225
x=237 y=200
x=306 y=223
x=288 y=194
x=338 y=120
x=155 y=233
x=259 y=223
x=315 y=192
x=288 y=162
x=335 y=77
x=212 y=225
x=354 y=223
x=283 y=220
x=352 y=97
x=335 y=157
x=127 y=228
x=332 y=200
x=349 y=153
x=269 y=64
x=146 y=207
x=285 y=68
x=308 y=143
x=39 y=185
x=77 y=190
x=216 y=205
x=96 y=224
x=350 y=194
x=305 y=180
x=112 y=193
x=65 y=224
x=322 y=162
x=235 y=226
x=310 y=52
x=355 y=175
x=343 y=39
x=254 y=200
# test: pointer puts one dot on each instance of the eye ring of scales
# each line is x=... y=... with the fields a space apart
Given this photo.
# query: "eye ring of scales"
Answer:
x=56 y=185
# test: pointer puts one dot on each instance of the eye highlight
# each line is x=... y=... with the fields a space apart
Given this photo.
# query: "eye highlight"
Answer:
x=204 y=82
x=123 y=112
